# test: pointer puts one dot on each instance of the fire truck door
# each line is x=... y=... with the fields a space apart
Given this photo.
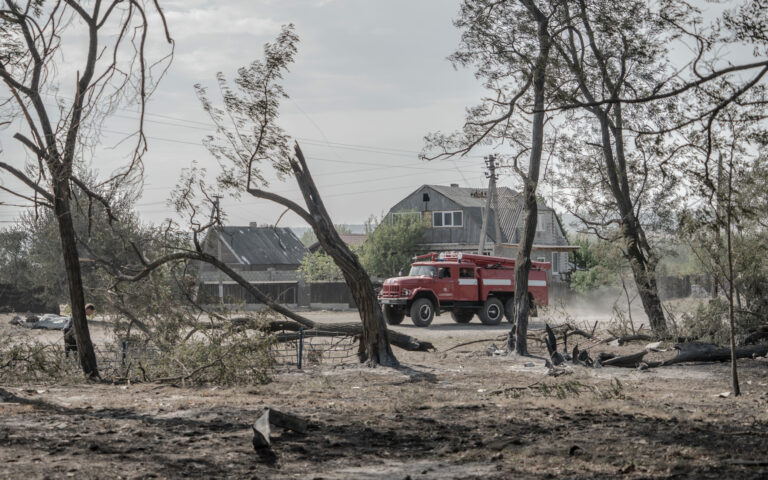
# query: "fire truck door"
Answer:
x=466 y=289
x=445 y=283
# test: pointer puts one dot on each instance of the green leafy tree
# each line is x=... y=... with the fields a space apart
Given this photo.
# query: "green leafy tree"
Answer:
x=31 y=256
x=391 y=244
x=318 y=266
x=599 y=264
x=308 y=238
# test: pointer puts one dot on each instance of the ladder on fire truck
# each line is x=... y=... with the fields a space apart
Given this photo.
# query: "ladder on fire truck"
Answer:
x=483 y=261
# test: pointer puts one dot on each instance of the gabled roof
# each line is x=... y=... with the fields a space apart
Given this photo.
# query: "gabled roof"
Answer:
x=470 y=197
x=263 y=245
x=509 y=202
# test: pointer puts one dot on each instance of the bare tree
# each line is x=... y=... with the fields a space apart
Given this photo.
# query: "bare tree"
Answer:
x=114 y=67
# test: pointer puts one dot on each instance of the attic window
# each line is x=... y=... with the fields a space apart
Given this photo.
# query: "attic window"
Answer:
x=448 y=219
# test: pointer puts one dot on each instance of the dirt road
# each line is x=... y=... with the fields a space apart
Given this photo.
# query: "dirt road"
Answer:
x=443 y=415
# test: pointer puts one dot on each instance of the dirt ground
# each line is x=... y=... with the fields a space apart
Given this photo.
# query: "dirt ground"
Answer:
x=450 y=414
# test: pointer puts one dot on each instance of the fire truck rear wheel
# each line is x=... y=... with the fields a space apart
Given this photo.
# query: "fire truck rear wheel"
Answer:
x=392 y=314
x=509 y=309
x=422 y=312
x=492 y=312
x=462 y=315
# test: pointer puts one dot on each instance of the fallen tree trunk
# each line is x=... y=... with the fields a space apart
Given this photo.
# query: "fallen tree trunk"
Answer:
x=406 y=342
x=634 y=338
x=706 y=352
x=626 y=361
x=687 y=353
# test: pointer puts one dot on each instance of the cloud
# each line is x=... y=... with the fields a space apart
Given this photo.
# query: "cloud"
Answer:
x=196 y=22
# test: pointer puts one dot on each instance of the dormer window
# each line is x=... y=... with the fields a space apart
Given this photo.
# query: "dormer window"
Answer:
x=453 y=218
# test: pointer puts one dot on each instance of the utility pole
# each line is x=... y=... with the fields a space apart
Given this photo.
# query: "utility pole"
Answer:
x=217 y=213
x=491 y=200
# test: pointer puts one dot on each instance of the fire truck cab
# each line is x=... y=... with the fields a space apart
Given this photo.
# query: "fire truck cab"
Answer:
x=462 y=284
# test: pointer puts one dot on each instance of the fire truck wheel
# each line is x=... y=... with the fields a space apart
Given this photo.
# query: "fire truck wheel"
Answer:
x=509 y=309
x=462 y=316
x=422 y=312
x=393 y=315
x=492 y=312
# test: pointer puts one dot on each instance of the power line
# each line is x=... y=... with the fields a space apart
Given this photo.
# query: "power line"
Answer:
x=204 y=126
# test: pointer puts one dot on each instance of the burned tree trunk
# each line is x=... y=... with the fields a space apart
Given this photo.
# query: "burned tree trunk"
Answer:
x=530 y=180
x=637 y=250
x=61 y=207
x=374 y=347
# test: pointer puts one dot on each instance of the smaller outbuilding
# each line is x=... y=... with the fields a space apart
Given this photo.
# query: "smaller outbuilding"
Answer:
x=268 y=257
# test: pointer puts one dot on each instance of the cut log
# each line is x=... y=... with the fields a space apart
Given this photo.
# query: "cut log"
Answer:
x=706 y=352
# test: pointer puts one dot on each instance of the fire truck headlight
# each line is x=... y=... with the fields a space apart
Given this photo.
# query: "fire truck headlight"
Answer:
x=407 y=292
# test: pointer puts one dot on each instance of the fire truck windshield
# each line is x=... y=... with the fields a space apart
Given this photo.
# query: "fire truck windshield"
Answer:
x=422 y=271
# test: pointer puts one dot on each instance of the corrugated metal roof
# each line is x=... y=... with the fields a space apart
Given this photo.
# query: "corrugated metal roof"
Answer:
x=263 y=245
x=469 y=197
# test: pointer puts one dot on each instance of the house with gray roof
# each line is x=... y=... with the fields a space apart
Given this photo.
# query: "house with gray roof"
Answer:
x=454 y=218
x=268 y=257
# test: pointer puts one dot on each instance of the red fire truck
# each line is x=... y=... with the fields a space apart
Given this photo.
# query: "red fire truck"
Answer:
x=462 y=284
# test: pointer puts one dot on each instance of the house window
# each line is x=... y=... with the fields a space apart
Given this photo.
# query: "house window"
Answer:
x=448 y=219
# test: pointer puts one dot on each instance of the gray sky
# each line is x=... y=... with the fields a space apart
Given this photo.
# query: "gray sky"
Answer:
x=370 y=80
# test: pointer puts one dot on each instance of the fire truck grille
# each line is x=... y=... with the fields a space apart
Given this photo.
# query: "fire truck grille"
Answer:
x=390 y=290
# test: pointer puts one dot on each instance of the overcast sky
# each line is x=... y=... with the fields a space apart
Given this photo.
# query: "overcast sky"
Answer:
x=370 y=80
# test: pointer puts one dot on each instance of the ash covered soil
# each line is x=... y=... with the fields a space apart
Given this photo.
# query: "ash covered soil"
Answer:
x=449 y=414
